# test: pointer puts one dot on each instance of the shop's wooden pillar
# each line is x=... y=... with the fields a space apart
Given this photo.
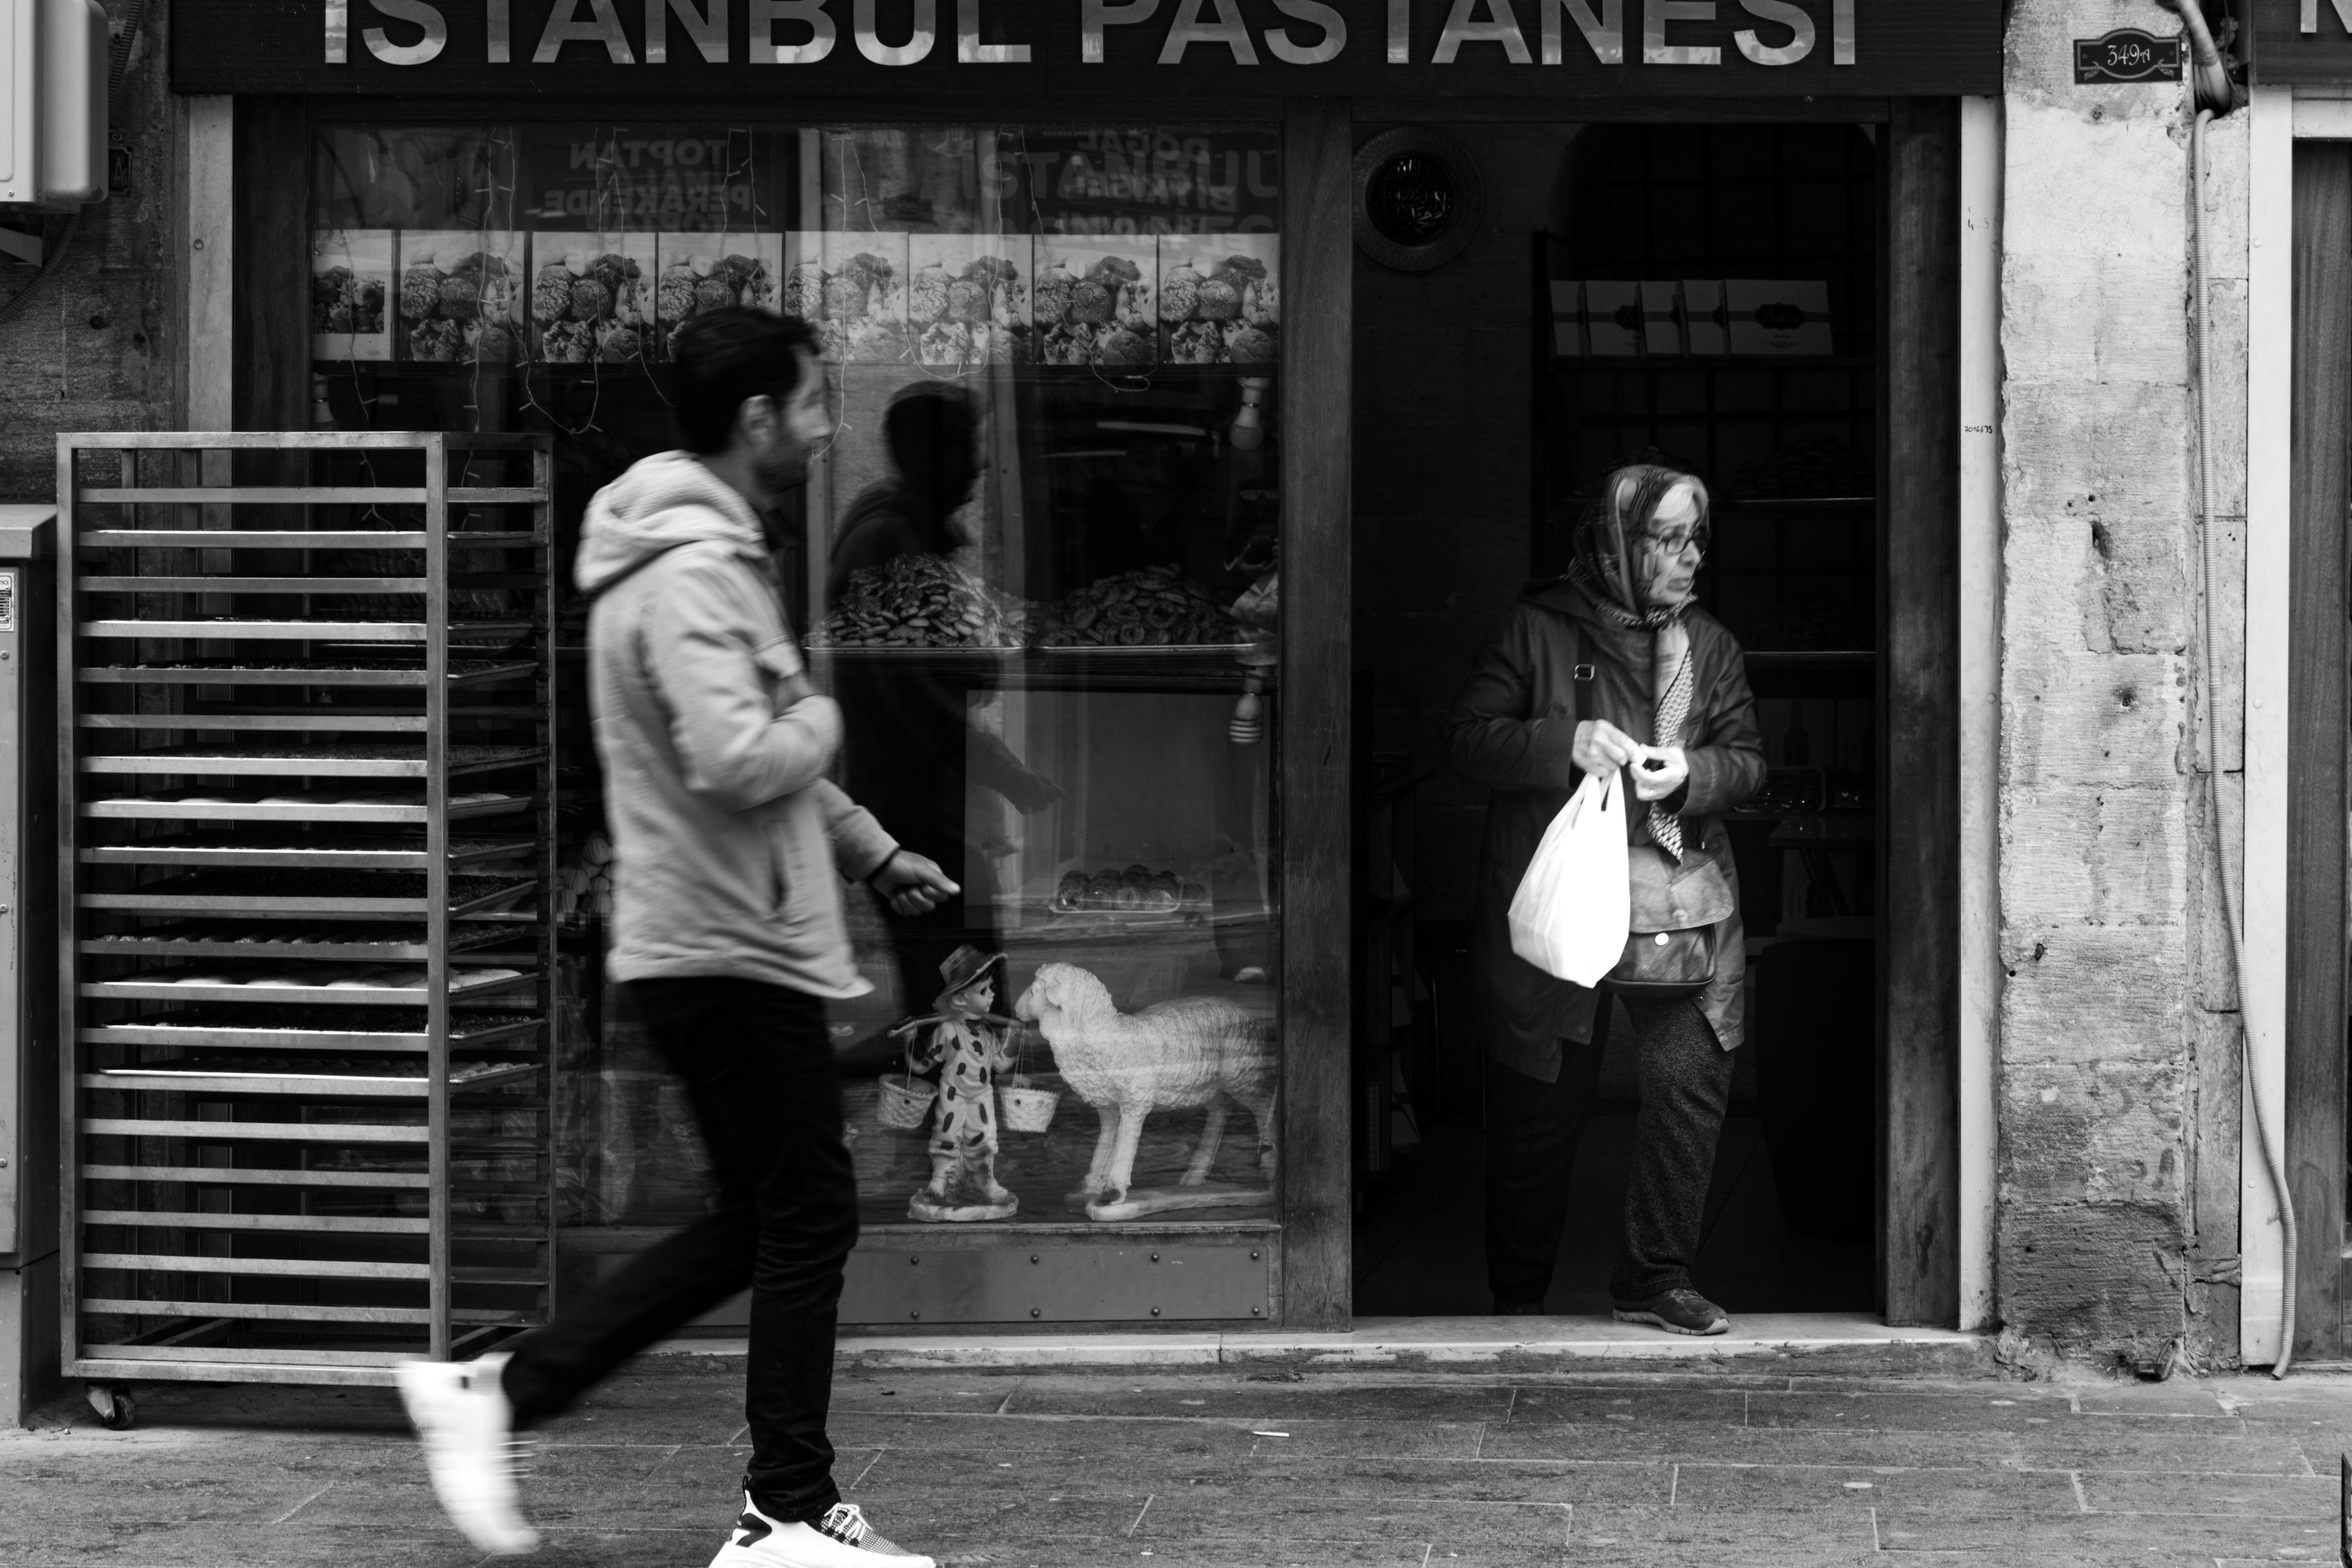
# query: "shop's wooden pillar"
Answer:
x=271 y=265
x=1318 y=267
x=2319 y=495
x=1921 y=682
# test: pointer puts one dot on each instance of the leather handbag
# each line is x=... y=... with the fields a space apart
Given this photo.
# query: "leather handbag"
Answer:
x=1678 y=915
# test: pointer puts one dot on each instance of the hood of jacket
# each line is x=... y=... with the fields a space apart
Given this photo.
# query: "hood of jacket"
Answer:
x=663 y=501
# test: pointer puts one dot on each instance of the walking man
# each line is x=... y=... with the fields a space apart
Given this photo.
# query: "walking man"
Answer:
x=728 y=939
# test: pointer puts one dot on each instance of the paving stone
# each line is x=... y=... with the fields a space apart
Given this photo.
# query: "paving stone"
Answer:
x=2110 y=1540
x=1701 y=1444
x=2268 y=1497
x=2187 y=1396
x=1526 y=1527
x=2137 y=1448
x=1994 y=1410
x=1437 y=1401
x=166 y=1405
x=1088 y=1434
x=1271 y=1484
x=1630 y=1407
x=1738 y=1532
x=1950 y=1492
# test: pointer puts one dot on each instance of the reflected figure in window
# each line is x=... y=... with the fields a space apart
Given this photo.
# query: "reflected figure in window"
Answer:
x=916 y=739
x=1611 y=668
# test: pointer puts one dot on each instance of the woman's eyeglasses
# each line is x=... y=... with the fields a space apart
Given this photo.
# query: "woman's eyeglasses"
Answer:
x=1673 y=541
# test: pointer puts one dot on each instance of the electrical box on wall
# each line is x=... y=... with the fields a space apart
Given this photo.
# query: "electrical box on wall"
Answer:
x=53 y=71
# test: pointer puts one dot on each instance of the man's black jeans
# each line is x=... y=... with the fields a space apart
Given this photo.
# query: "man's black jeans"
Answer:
x=759 y=1067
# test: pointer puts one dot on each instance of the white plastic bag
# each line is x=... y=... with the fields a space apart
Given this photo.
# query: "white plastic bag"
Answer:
x=1572 y=912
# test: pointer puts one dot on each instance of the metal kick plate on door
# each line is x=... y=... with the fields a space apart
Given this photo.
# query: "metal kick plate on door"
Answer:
x=1048 y=1284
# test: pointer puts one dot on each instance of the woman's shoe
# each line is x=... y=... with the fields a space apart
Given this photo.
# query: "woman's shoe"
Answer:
x=1679 y=1311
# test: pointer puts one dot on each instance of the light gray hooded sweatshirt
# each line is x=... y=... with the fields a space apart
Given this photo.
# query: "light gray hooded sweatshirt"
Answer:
x=727 y=834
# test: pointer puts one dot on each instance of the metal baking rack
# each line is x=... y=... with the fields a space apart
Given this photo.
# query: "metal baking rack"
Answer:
x=308 y=944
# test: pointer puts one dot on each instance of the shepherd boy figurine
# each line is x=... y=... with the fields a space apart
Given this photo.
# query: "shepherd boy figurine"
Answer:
x=969 y=1044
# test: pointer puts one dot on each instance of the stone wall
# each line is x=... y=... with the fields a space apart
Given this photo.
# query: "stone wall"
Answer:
x=2117 y=1042
x=93 y=350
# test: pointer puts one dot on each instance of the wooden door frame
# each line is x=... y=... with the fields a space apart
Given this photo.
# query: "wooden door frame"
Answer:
x=1920 y=685
x=2291 y=995
x=1314 y=721
x=2320 y=486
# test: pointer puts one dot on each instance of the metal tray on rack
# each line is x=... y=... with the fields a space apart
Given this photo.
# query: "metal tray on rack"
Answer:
x=210 y=1077
x=326 y=906
x=320 y=672
x=219 y=810
x=232 y=939
x=231 y=630
x=363 y=854
x=388 y=759
x=147 y=988
x=391 y=1035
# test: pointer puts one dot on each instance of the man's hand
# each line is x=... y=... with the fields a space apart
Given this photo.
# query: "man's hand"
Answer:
x=1662 y=770
x=1601 y=748
x=913 y=883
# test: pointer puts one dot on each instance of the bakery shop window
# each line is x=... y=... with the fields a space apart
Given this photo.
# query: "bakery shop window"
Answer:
x=1039 y=566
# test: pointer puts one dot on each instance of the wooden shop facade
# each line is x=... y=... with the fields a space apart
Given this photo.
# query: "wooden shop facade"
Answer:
x=1243 y=357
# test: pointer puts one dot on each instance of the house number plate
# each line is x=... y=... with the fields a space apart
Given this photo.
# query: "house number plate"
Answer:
x=2127 y=54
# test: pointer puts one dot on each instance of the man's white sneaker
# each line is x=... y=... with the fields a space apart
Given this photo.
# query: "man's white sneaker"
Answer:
x=467 y=1426
x=842 y=1539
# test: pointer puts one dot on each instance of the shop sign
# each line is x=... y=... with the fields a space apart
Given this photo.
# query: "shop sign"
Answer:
x=671 y=48
x=2127 y=54
x=2302 y=40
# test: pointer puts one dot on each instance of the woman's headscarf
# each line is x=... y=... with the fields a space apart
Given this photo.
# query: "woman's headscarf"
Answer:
x=1609 y=541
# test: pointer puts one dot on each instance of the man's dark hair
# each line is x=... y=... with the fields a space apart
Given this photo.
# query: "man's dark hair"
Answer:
x=933 y=432
x=724 y=359
x=928 y=425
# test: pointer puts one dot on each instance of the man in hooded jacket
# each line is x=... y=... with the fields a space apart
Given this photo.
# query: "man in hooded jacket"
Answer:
x=728 y=936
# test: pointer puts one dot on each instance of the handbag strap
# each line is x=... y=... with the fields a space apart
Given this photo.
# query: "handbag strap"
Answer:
x=1581 y=675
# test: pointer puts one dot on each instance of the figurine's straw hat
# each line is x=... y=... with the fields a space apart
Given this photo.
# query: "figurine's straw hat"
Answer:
x=963 y=968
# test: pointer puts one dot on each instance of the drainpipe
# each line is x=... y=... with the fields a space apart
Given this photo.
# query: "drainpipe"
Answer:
x=2215 y=90
x=2217 y=93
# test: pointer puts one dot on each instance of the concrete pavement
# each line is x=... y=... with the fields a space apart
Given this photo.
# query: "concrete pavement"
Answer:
x=1213 y=1468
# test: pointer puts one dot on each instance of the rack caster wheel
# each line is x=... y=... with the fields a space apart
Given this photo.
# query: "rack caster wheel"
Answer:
x=116 y=1410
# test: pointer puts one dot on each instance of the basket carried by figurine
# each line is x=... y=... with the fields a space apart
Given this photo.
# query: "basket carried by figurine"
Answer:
x=1027 y=1107
x=903 y=1102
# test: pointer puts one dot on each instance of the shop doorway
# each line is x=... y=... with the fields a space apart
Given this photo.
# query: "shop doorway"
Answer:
x=1711 y=297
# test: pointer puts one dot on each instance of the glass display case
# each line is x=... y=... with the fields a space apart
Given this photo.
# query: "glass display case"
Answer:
x=1039 y=566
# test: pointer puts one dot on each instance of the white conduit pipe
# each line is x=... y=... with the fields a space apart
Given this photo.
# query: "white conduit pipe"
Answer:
x=2206 y=653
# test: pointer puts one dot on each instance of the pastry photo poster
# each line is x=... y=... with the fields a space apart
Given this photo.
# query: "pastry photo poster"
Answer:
x=967 y=299
x=592 y=297
x=461 y=296
x=351 y=293
x=864 y=297
x=698 y=273
x=1221 y=299
x=1093 y=298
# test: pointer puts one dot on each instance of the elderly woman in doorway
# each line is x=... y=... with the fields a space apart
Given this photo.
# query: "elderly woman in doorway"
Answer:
x=1612 y=667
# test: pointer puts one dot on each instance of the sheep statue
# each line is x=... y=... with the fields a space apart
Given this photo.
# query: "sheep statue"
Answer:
x=1177 y=1055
